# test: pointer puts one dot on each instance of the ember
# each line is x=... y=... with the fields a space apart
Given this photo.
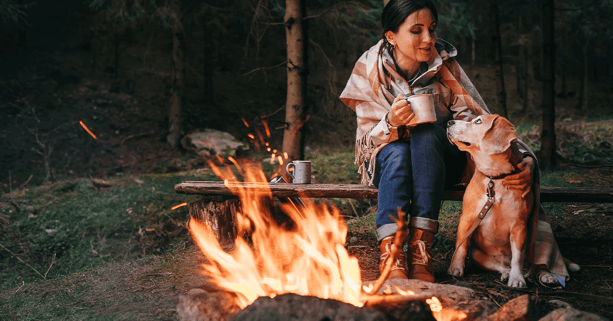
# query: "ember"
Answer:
x=87 y=129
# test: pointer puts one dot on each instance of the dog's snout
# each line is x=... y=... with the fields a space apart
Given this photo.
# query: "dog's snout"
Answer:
x=450 y=123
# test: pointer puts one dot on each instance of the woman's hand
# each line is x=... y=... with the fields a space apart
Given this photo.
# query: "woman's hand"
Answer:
x=401 y=112
x=523 y=179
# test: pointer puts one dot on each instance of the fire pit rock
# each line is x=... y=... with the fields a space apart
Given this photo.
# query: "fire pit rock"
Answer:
x=210 y=142
x=296 y=307
x=202 y=305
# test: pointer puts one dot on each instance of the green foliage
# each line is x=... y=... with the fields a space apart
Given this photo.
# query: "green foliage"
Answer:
x=125 y=12
x=455 y=19
x=14 y=13
x=85 y=227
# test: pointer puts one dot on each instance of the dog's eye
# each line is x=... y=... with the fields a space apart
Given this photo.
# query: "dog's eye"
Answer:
x=478 y=121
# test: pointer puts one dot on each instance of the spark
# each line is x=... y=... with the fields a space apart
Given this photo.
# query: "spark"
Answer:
x=177 y=206
x=87 y=129
x=266 y=128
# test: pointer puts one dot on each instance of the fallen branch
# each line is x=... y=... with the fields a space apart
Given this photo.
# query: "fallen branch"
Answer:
x=22 y=261
x=135 y=136
x=370 y=300
x=27 y=181
x=401 y=235
x=577 y=295
x=52 y=261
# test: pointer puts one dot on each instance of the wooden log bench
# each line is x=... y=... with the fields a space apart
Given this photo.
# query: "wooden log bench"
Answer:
x=218 y=205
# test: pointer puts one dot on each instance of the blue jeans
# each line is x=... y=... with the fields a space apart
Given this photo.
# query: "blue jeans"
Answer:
x=412 y=174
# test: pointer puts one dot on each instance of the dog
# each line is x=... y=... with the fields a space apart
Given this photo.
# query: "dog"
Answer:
x=500 y=239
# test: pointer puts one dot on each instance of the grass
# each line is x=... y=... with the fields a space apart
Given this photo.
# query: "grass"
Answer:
x=86 y=226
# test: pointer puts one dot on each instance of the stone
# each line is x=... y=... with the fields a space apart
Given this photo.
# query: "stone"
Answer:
x=571 y=314
x=305 y=308
x=211 y=142
x=522 y=308
x=203 y=305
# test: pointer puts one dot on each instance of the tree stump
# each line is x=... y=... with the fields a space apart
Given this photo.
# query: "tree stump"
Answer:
x=218 y=212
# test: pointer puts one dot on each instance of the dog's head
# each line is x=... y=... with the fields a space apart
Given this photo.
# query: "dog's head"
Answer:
x=488 y=139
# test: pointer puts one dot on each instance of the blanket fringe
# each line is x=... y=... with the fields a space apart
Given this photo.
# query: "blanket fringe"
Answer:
x=364 y=150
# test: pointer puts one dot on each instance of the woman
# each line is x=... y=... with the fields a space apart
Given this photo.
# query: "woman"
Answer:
x=412 y=165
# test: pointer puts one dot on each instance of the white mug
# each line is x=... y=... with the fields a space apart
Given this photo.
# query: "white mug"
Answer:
x=423 y=108
x=301 y=173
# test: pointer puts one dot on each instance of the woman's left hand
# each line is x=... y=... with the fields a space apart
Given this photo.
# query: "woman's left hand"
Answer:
x=523 y=179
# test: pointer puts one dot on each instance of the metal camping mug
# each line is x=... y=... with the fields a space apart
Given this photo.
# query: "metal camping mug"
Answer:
x=423 y=108
x=301 y=173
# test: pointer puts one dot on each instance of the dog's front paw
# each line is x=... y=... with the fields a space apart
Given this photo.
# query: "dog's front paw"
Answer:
x=504 y=275
x=457 y=271
x=516 y=280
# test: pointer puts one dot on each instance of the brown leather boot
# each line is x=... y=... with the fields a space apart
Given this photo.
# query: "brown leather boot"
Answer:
x=420 y=255
x=399 y=267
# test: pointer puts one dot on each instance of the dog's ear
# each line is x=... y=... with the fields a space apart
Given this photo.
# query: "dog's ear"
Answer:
x=498 y=137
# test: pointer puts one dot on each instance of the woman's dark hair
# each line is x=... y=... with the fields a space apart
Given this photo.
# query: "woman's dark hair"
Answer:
x=397 y=11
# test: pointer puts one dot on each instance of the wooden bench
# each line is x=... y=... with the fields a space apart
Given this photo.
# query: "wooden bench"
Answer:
x=218 y=205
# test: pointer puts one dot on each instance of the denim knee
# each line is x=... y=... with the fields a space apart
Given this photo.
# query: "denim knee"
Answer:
x=393 y=158
x=430 y=134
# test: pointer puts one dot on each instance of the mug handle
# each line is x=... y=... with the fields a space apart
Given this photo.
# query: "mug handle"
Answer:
x=290 y=173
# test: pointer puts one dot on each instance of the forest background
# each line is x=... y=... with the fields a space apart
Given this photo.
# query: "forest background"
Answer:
x=57 y=56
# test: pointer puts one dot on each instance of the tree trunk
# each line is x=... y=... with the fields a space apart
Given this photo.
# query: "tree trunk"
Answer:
x=501 y=95
x=175 y=128
x=529 y=81
x=563 y=87
x=548 y=136
x=473 y=57
x=519 y=71
x=209 y=93
x=583 y=90
x=520 y=61
x=296 y=109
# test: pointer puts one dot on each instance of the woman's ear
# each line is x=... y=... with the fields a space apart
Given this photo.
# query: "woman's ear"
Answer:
x=390 y=37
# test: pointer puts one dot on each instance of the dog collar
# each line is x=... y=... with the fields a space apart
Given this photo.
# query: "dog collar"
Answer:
x=515 y=171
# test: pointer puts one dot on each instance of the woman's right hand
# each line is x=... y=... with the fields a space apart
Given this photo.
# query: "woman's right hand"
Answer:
x=401 y=112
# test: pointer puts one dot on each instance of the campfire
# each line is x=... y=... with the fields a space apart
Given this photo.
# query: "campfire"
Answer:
x=304 y=255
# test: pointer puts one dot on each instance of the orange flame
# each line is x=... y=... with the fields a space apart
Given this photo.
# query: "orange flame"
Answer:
x=87 y=129
x=245 y=122
x=308 y=260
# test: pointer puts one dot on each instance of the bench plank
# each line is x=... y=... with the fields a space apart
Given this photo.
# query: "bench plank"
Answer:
x=359 y=191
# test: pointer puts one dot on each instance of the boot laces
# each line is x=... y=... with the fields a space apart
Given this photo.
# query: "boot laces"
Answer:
x=388 y=251
x=421 y=256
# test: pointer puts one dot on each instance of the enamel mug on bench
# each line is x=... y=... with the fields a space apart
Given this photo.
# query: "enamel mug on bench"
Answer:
x=301 y=171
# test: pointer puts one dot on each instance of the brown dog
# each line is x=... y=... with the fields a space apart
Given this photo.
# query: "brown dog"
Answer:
x=499 y=241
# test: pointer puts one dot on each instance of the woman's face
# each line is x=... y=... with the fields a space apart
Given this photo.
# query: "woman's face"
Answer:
x=415 y=38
